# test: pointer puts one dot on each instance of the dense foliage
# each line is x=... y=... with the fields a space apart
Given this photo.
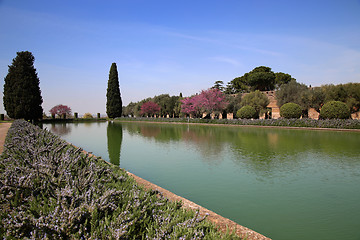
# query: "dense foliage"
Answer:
x=348 y=93
x=260 y=78
x=230 y=101
x=290 y=110
x=22 y=95
x=316 y=97
x=149 y=108
x=212 y=100
x=191 y=106
x=219 y=86
x=208 y=101
x=257 y=100
x=60 y=110
x=293 y=92
x=51 y=190
x=88 y=116
x=234 y=103
x=113 y=97
x=247 y=112
x=335 y=110
x=282 y=78
x=169 y=105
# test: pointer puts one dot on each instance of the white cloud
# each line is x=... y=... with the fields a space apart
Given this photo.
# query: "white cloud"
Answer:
x=227 y=60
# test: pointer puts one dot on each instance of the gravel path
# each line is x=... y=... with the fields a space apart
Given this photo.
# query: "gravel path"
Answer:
x=4 y=127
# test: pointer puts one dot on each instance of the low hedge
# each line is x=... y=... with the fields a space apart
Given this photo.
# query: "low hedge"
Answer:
x=51 y=190
x=290 y=110
x=247 y=112
x=335 y=110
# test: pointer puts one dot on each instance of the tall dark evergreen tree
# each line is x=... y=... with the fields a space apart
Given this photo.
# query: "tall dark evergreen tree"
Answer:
x=22 y=95
x=113 y=103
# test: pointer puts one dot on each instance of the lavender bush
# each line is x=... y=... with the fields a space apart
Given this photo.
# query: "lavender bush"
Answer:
x=304 y=122
x=50 y=189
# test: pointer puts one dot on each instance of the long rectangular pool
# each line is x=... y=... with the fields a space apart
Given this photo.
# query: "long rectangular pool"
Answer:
x=282 y=183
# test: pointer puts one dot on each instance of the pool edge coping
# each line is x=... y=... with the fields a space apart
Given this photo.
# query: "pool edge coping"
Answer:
x=224 y=224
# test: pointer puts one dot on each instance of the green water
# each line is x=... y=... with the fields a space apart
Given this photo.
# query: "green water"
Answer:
x=285 y=184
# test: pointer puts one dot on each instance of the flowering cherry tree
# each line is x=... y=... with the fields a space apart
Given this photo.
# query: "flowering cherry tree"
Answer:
x=191 y=106
x=209 y=101
x=212 y=100
x=149 y=108
x=60 y=110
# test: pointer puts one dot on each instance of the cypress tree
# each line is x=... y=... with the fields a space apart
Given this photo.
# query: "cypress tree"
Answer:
x=22 y=94
x=113 y=103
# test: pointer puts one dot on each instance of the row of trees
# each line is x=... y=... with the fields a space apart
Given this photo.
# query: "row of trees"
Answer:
x=210 y=101
x=162 y=105
x=316 y=97
x=22 y=94
x=216 y=101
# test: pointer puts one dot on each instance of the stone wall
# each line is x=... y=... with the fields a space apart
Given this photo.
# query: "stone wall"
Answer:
x=312 y=113
x=275 y=110
x=355 y=115
x=230 y=116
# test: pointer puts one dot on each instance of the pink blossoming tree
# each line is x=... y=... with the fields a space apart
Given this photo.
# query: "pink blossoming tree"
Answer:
x=208 y=101
x=191 y=106
x=213 y=100
x=149 y=108
x=60 y=110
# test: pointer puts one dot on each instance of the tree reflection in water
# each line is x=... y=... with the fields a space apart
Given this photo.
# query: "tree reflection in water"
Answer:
x=114 y=140
x=60 y=129
x=265 y=151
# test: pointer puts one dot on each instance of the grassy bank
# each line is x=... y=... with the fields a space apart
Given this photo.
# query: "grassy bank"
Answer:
x=50 y=189
x=305 y=122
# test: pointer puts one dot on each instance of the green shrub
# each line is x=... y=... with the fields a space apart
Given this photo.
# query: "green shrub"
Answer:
x=88 y=115
x=247 y=112
x=335 y=110
x=257 y=100
x=290 y=110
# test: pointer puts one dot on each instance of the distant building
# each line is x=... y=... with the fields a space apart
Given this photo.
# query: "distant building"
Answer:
x=272 y=106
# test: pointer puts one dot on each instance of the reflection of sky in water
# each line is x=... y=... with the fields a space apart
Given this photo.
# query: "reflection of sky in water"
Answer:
x=286 y=184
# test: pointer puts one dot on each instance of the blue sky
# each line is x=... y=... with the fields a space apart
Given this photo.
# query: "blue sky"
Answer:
x=175 y=46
